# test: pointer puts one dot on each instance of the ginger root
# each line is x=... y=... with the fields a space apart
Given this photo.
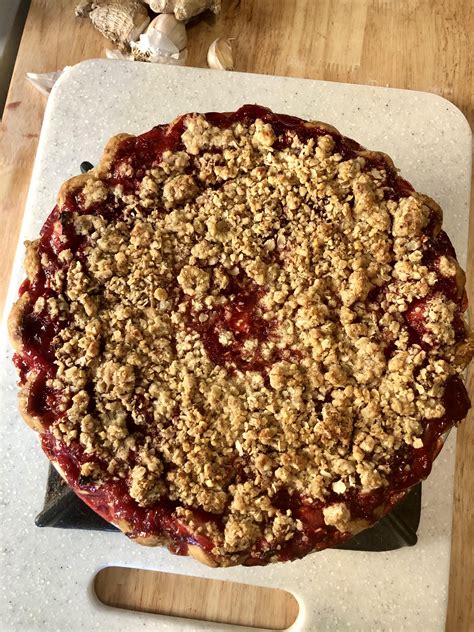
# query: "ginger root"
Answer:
x=120 y=21
x=83 y=8
x=184 y=9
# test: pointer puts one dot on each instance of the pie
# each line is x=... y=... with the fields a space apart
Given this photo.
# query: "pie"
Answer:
x=241 y=336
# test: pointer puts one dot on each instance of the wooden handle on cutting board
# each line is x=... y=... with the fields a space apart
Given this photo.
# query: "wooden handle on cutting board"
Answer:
x=211 y=600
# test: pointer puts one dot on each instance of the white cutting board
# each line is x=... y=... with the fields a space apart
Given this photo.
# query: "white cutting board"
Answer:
x=48 y=573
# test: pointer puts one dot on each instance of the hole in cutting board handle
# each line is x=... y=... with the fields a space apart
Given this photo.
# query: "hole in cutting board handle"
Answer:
x=212 y=600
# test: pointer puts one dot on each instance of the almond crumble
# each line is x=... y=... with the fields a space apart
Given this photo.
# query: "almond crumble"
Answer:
x=254 y=318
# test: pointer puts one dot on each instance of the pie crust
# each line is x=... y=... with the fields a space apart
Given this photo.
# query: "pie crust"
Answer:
x=241 y=336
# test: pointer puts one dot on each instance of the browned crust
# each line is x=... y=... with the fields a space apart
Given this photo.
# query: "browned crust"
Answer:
x=145 y=540
x=436 y=212
x=464 y=352
x=32 y=259
x=201 y=556
x=100 y=171
x=15 y=322
x=33 y=421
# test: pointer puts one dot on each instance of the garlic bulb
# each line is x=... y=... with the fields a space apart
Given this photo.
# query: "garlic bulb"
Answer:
x=184 y=9
x=219 y=55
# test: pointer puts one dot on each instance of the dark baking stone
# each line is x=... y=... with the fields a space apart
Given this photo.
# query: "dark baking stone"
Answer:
x=86 y=166
x=395 y=530
x=64 y=510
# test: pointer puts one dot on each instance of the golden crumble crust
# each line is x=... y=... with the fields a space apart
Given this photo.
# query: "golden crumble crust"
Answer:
x=256 y=314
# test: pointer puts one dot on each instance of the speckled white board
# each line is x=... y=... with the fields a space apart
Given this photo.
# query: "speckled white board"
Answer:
x=47 y=573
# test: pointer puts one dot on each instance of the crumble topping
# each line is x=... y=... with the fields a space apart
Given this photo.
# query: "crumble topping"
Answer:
x=244 y=325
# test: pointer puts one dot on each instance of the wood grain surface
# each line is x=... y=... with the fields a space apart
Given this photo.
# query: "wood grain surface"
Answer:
x=415 y=44
x=193 y=597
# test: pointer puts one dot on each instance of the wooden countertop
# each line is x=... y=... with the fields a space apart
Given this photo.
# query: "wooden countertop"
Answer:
x=416 y=44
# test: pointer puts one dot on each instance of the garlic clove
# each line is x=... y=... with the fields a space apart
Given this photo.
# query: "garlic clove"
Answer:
x=219 y=55
x=171 y=27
